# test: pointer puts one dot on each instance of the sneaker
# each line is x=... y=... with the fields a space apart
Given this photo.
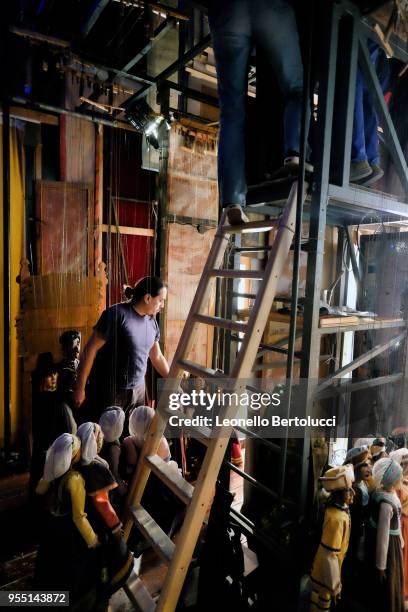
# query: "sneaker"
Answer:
x=235 y=215
x=376 y=173
x=289 y=169
x=292 y=163
x=359 y=170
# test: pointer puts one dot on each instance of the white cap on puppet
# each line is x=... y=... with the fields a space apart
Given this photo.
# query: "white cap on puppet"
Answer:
x=59 y=456
x=399 y=454
x=139 y=422
x=87 y=433
x=111 y=422
x=386 y=472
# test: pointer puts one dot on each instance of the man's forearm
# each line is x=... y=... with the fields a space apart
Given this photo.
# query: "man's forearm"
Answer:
x=161 y=365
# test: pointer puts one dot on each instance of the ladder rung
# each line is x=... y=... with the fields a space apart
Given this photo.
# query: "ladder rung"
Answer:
x=171 y=477
x=199 y=370
x=200 y=433
x=218 y=322
x=259 y=226
x=255 y=249
x=153 y=533
x=254 y=274
x=138 y=594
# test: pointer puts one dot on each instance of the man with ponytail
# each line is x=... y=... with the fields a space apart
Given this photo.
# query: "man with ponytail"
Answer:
x=115 y=358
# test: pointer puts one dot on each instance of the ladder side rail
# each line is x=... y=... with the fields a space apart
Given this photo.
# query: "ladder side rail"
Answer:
x=216 y=450
x=267 y=291
x=159 y=422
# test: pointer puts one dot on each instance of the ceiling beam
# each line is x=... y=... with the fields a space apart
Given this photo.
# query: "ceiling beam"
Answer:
x=165 y=26
x=165 y=74
x=98 y=6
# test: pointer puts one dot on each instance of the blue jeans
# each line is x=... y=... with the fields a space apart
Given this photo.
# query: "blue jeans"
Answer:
x=365 y=143
x=235 y=26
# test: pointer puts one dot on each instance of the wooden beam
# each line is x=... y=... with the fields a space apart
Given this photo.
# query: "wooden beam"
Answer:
x=358 y=361
x=124 y=229
x=27 y=114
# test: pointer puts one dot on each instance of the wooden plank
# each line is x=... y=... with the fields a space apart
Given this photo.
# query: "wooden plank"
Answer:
x=27 y=114
x=199 y=370
x=377 y=323
x=124 y=229
x=171 y=477
x=161 y=543
x=252 y=226
x=138 y=594
x=252 y=274
x=219 y=322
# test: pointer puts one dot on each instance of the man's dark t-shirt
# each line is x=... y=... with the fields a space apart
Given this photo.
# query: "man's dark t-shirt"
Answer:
x=121 y=363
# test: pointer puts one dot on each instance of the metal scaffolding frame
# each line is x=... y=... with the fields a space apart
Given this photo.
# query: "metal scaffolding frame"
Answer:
x=333 y=201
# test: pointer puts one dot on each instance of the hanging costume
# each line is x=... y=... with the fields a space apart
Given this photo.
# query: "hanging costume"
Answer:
x=326 y=571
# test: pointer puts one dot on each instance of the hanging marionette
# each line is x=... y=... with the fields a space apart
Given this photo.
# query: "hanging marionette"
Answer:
x=70 y=342
x=359 y=457
x=378 y=449
x=98 y=482
x=51 y=416
x=326 y=570
x=111 y=423
x=68 y=555
x=384 y=540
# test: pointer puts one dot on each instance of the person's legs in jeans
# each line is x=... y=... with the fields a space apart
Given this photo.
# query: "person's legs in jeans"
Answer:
x=231 y=51
x=275 y=30
x=358 y=149
x=365 y=142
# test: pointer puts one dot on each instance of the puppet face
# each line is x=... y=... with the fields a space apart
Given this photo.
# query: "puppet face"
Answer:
x=153 y=305
x=49 y=382
x=364 y=472
x=71 y=348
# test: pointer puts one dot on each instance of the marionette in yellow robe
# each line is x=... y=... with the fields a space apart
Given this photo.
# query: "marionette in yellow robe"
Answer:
x=326 y=570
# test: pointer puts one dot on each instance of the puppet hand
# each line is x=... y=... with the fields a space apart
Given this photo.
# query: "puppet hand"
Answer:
x=382 y=575
x=79 y=397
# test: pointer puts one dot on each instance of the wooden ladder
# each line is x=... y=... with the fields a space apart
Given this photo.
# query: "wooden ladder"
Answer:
x=198 y=498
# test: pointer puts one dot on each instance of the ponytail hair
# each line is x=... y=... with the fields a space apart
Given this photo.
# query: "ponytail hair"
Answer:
x=151 y=285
